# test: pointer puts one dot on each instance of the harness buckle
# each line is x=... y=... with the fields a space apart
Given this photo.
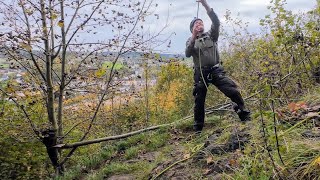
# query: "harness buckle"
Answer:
x=209 y=76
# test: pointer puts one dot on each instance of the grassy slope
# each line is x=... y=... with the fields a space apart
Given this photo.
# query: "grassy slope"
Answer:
x=146 y=155
x=137 y=156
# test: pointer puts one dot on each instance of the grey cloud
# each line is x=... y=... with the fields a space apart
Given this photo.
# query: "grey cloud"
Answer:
x=250 y=11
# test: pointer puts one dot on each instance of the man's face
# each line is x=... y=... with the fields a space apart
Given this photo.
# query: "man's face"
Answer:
x=198 y=26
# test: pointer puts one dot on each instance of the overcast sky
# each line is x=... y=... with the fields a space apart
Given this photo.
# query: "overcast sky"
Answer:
x=183 y=11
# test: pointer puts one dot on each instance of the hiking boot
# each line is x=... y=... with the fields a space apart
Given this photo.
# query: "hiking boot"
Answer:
x=244 y=115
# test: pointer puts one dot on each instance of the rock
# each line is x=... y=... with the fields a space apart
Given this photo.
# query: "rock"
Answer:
x=237 y=142
x=313 y=115
x=150 y=156
x=311 y=134
x=211 y=139
x=315 y=108
x=216 y=149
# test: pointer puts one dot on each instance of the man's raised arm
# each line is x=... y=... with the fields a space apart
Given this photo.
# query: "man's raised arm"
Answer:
x=214 y=31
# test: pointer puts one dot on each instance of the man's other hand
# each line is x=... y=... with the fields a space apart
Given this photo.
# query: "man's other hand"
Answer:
x=204 y=4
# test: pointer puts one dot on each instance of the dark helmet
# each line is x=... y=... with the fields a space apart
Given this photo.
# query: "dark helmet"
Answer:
x=192 y=23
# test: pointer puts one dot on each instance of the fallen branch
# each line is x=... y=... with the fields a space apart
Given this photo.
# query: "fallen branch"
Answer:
x=83 y=143
x=219 y=107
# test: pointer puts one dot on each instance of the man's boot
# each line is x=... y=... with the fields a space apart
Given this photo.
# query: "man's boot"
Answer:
x=244 y=115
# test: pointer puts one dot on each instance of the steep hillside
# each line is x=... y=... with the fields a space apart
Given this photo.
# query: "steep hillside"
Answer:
x=227 y=149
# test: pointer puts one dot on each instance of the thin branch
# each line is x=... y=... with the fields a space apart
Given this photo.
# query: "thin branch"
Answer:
x=72 y=128
x=85 y=58
x=84 y=23
x=108 y=83
x=265 y=139
x=29 y=41
x=33 y=126
x=18 y=61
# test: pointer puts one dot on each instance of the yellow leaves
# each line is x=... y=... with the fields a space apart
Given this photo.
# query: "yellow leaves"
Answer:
x=316 y=162
x=61 y=23
x=57 y=60
x=32 y=93
x=54 y=16
x=25 y=46
x=100 y=72
x=10 y=89
x=168 y=100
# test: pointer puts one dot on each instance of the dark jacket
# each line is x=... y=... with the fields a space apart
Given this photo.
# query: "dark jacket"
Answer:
x=207 y=44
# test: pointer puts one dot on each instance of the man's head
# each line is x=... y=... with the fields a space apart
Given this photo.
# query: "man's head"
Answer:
x=197 y=24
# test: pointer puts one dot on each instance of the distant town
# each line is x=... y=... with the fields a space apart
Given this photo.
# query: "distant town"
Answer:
x=131 y=80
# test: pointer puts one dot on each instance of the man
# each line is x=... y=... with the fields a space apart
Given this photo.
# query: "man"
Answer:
x=202 y=46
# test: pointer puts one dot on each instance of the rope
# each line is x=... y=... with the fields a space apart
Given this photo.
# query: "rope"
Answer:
x=204 y=81
x=214 y=49
x=198 y=10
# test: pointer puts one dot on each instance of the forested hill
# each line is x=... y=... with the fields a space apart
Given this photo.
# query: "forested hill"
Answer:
x=73 y=115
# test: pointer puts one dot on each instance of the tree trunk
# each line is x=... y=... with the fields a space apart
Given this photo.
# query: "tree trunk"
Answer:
x=63 y=74
x=146 y=91
x=50 y=136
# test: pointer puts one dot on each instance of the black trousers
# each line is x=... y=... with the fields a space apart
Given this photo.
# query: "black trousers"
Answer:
x=217 y=77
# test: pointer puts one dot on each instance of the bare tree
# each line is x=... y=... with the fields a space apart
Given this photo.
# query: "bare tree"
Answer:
x=57 y=42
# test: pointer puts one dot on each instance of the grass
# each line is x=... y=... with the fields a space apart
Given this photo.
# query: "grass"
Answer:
x=109 y=160
x=300 y=155
x=132 y=152
x=88 y=163
x=131 y=148
x=157 y=141
x=120 y=168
